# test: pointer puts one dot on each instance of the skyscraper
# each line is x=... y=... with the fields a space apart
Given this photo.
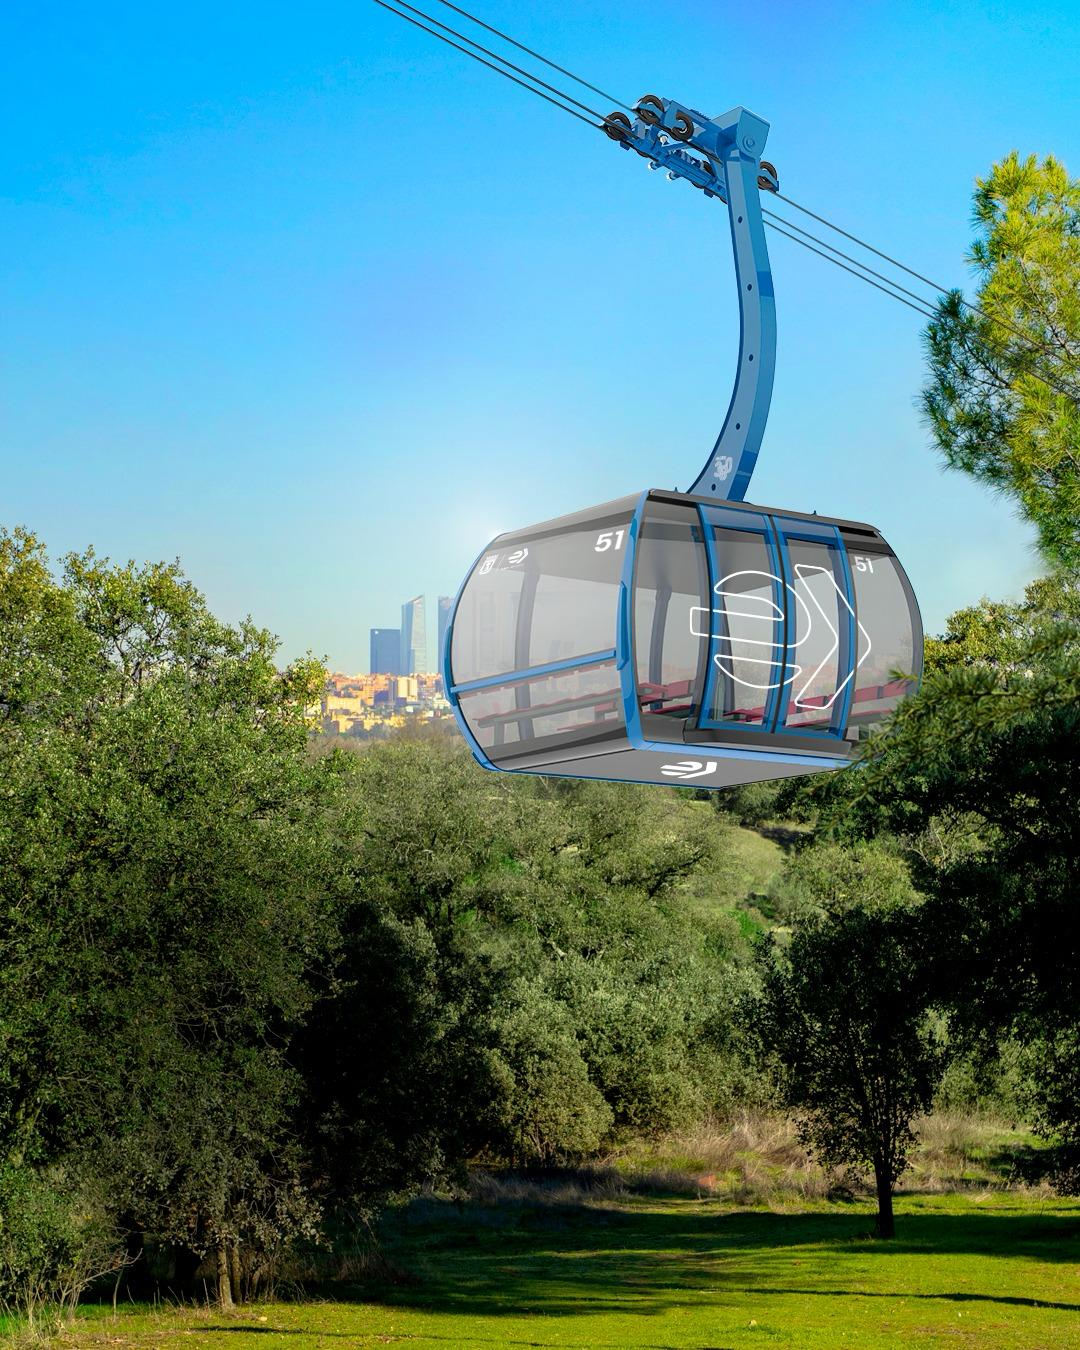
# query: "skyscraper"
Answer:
x=414 y=656
x=446 y=603
x=385 y=651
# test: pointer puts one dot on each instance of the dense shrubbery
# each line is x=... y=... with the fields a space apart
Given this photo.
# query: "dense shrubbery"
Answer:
x=56 y=1237
x=245 y=984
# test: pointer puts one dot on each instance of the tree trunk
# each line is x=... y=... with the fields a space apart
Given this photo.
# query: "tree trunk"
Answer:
x=886 y=1227
x=235 y=1271
x=225 y=1298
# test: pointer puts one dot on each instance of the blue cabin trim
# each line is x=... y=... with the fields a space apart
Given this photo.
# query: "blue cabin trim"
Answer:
x=627 y=656
x=749 y=522
x=849 y=641
x=535 y=672
x=448 y=674
x=620 y=722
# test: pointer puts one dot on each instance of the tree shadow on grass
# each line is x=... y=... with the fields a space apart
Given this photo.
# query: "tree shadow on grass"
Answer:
x=390 y=1337
x=646 y=1261
x=247 y=1329
x=955 y=1297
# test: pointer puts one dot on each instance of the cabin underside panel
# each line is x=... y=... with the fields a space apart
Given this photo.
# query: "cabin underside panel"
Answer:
x=672 y=770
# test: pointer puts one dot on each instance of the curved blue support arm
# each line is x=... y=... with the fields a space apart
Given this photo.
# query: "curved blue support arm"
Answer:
x=728 y=469
x=727 y=165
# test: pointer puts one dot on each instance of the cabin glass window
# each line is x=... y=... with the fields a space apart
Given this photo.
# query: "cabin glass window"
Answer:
x=485 y=626
x=572 y=706
x=747 y=627
x=533 y=600
x=888 y=664
x=671 y=585
x=818 y=627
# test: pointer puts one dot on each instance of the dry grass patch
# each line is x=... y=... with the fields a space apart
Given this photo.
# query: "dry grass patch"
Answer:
x=958 y=1152
x=753 y=1158
x=563 y=1189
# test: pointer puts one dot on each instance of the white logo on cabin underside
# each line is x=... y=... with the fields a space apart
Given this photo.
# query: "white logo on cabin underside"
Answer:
x=689 y=768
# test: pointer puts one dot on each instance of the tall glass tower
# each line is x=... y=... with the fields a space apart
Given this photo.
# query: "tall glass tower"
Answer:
x=446 y=604
x=414 y=656
x=385 y=651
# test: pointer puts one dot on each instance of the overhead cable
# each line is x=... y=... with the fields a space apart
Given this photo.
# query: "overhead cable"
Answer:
x=863 y=244
x=942 y=290
x=922 y=305
x=521 y=47
x=401 y=4
x=497 y=69
x=926 y=313
x=770 y=215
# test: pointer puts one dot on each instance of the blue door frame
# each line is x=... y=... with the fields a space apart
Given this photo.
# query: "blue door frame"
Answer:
x=776 y=532
x=828 y=536
x=753 y=523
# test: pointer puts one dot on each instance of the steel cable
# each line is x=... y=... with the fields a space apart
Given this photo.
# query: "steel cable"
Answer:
x=521 y=47
x=922 y=305
x=926 y=313
x=497 y=69
x=941 y=290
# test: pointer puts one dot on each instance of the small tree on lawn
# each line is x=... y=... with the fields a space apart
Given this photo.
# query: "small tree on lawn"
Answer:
x=843 y=1021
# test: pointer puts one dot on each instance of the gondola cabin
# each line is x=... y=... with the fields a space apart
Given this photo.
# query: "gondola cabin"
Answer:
x=672 y=639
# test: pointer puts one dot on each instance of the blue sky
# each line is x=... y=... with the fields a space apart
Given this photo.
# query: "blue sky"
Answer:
x=312 y=302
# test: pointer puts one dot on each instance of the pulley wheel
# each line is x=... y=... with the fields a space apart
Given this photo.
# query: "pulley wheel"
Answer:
x=766 y=184
x=651 y=110
x=683 y=128
x=617 y=126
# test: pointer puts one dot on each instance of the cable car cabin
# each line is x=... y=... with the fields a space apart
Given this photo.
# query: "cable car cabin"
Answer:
x=666 y=638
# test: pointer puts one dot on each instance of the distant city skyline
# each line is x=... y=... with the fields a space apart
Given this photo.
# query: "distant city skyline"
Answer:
x=406 y=650
x=373 y=705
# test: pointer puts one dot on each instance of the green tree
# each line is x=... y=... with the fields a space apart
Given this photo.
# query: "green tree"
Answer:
x=1003 y=395
x=829 y=876
x=979 y=776
x=650 y=981
x=236 y=979
x=400 y=1075
x=570 y=893
x=844 y=1021
x=997 y=635
x=550 y=1108
x=162 y=897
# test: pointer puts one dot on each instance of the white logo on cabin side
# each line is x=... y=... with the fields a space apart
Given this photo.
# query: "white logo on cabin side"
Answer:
x=759 y=662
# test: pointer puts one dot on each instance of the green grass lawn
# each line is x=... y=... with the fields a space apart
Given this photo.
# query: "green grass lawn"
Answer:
x=997 y=1270
x=749 y=865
